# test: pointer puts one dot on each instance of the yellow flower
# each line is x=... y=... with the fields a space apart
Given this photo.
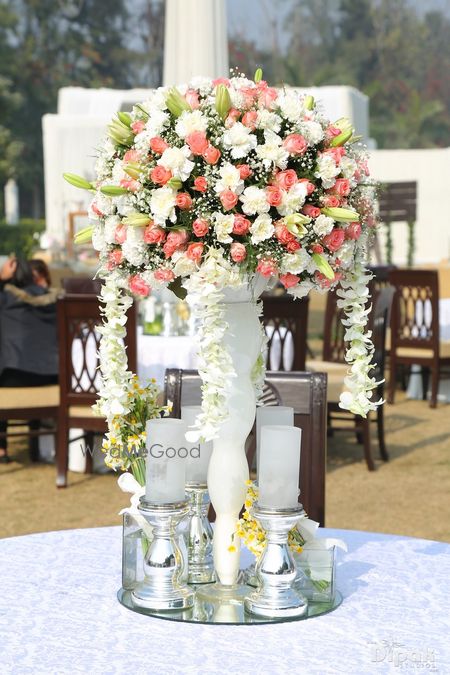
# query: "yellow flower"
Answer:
x=232 y=548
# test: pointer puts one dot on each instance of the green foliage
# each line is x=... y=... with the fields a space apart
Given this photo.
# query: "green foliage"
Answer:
x=21 y=239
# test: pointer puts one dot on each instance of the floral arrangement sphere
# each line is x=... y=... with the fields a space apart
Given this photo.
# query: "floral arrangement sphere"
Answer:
x=203 y=186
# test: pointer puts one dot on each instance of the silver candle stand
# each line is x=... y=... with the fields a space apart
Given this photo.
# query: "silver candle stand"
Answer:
x=162 y=587
x=276 y=570
x=199 y=536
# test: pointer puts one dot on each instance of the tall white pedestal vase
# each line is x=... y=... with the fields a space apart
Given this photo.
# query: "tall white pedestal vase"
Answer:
x=228 y=469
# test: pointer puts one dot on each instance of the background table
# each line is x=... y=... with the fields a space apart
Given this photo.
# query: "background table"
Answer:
x=59 y=614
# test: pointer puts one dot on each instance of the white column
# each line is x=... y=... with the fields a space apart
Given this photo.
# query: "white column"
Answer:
x=195 y=40
x=11 y=202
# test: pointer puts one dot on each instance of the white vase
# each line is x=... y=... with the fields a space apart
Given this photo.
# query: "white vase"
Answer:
x=228 y=467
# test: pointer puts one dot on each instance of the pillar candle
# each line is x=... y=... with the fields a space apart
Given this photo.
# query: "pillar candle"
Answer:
x=268 y=415
x=199 y=454
x=280 y=466
x=166 y=460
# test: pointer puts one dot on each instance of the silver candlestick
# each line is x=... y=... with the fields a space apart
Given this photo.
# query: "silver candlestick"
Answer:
x=199 y=536
x=163 y=587
x=275 y=570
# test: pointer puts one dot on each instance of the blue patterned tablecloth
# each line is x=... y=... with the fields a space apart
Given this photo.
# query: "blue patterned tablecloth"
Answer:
x=59 y=614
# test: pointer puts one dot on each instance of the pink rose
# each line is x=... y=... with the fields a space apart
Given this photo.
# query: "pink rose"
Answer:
x=195 y=251
x=211 y=155
x=311 y=211
x=200 y=227
x=183 y=201
x=336 y=153
x=244 y=171
x=164 y=274
x=200 y=184
x=115 y=257
x=288 y=280
x=353 y=231
x=192 y=98
x=274 y=195
x=316 y=248
x=221 y=80
x=158 y=145
x=176 y=240
x=249 y=119
x=229 y=199
x=249 y=95
x=267 y=267
x=120 y=233
x=96 y=210
x=292 y=246
x=241 y=224
x=310 y=187
x=334 y=240
x=138 y=126
x=282 y=234
x=238 y=252
x=266 y=96
x=130 y=184
x=295 y=144
x=331 y=201
x=138 y=286
x=342 y=187
x=160 y=175
x=197 y=142
x=154 y=234
x=286 y=179
x=131 y=156
x=331 y=132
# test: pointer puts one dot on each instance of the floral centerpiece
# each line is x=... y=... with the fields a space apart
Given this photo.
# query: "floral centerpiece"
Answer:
x=214 y=186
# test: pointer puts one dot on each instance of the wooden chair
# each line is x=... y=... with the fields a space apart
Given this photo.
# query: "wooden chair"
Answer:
x=306 y=394
x=84 y=285
x=285 y=322
x=337 y=371
x=415 y=329
x=78 y=316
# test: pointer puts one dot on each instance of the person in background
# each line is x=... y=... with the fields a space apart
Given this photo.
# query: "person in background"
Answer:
x=41 y=273
x=28 y=339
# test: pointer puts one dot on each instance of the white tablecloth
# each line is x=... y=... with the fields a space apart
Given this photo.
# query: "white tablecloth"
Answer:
x=156 y=353
x=414 y=389
x=59 y=614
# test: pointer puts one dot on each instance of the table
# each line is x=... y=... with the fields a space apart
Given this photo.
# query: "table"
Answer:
x=414 y=389
x=59 y=614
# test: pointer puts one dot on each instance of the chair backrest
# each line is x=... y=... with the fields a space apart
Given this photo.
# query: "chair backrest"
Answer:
x=286 y=324
x=306 y=393
x=415 y=309
x=78 y=317
x=379 y=322
x=334 y=345
x=84 y=285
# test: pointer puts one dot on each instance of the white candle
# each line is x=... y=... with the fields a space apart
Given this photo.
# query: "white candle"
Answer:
x=268 y=415
x=166 y=460
x=199 y=454
x=280 y=466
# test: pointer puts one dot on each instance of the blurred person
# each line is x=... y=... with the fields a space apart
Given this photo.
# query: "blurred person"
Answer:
x=41 y=272
x=28 y=340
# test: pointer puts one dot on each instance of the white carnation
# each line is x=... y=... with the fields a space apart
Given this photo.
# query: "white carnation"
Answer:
x=293 y=200
x=272 y=152
x=239 y=140
x=230 y=178
x=98 y=238
x=323 y=225
x=162 y=205
x=348 y=167
x=111 y=223
x=296 y=263
x=302 y=289
x=176 y=159
x=327 y=170
x=124 y=205
x=183 y=265
x=346 y=253
x=268 y=120
x=254 y=201
x=262 y=228
x=223 y=226
x=312 y=131
x=190 y=121
x=290 y=105
x=201 y=84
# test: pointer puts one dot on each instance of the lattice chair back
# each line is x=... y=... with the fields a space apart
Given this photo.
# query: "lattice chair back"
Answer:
x=415 y=310
x=286 y=325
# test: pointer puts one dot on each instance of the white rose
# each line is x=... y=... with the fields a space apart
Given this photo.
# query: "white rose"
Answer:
x=323 y=225
x=262 y=228
x=254 y=201
x=223 y=226
x=327 y=170
x=183 y=265
x=190 y=121
x=293 y=200
x=176 y=160
x=239 y=140
x=230 y=178
x=162 y=205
